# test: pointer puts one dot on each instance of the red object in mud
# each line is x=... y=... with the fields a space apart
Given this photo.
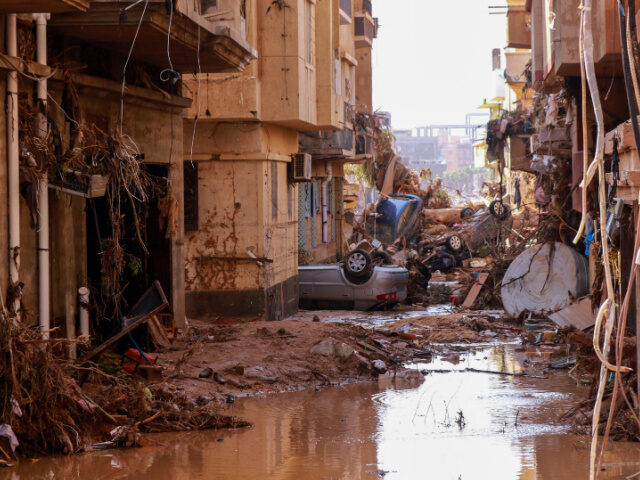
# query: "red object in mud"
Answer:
x=389 y=297
x=455 y=299
x=136 y=356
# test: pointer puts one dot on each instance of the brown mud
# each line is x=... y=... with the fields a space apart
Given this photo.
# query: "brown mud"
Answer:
x=453 y=424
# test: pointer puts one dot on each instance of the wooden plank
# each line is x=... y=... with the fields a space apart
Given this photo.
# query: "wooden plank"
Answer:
x=578 y=315
x=636 y=212
x=8 y=63
x=475 y=290
x=100 y=349
x=131 y=323
x=158 y=335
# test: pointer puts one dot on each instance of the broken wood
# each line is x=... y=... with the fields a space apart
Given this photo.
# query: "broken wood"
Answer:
x=157 y=333
x=442 y=215
x=140 y=315
x=475 y=290
x=367 y=347
x=509 y=374
x=387 y=184
x=579 y=315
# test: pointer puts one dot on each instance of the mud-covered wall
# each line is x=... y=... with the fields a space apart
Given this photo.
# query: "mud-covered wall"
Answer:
x=227 y=212
x=246 y=206
x=149 y=124
x=4 y=240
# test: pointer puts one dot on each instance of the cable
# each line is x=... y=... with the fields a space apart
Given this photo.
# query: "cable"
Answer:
x=628 y=80
x=598 y=163
x=126 y=63
x=169 y=74
x=195 y=121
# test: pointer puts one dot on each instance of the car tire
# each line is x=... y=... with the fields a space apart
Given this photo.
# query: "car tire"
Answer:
x=382 y=257
x=499 y=210
x=358 y=263
x=467 y=212
x=455 y=243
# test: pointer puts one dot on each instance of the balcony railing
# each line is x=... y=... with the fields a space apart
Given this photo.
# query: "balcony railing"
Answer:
x=349 y=112
x=345 y=6
x=366 y=7
x=365 y=30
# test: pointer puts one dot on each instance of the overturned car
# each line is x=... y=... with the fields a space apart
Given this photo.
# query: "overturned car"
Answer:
x=355 y=284
x=367 y=278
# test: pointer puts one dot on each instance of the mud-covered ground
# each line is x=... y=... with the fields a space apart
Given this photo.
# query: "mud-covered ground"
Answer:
x=218 y=358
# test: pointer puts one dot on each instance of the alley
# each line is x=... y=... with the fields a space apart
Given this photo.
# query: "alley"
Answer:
x=319 y=239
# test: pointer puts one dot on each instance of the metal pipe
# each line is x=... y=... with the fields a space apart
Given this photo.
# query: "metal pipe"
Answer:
x=325 y=201
x=44 y=287
x=13 y=165
x=83 y=301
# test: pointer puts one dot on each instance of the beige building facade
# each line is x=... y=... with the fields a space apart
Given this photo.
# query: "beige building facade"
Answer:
x=102 y=82
x=249 y=219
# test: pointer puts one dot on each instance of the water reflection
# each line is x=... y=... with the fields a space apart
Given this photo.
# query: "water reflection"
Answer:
x=456 y=425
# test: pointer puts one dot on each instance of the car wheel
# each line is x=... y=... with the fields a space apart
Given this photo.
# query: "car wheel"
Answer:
x=381 y=258
x=358 y=263
x=455 y=243
x=467 y=212
x=499 y=210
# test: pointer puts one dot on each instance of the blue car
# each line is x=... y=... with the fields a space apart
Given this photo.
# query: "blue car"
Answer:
x=397 y=215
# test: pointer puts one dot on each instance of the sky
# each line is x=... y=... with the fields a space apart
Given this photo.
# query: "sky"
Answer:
x=432 y=59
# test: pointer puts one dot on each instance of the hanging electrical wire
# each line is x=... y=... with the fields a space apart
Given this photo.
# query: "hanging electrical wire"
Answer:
x=608 y=308
x=630 y=56
x=169 y=74
x=126 y=63
x=195 y=120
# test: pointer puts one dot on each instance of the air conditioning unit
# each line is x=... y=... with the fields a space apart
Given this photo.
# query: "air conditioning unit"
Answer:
x=300 y=167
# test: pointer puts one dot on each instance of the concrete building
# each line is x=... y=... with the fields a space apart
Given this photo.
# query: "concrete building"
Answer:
x=263 y=154
x=112 y=95
x=420 y=152
x=437 y=148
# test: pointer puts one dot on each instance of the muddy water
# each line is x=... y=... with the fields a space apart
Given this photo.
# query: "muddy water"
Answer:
x=455 y=425
x=375 y=319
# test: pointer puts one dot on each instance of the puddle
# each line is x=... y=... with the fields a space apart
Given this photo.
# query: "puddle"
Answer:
x=456 y=425
x=375 y=319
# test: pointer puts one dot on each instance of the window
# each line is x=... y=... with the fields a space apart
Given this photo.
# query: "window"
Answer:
x=274 y=190
x=208 y=6
x=345 y=6
x=291 y=193
x=309 y=31
x=190 y=196
x=308 y=198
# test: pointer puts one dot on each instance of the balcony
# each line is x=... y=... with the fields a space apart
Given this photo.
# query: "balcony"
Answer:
x=518 y=27
x=106 y=24
x=349 y=113
x=516 y=66
x=364 y=146
x=327 y=145
x=366 y=7
x=36 y=6
x=346 y=12
x=606 y=37
x=565 y=48
x=365 y=29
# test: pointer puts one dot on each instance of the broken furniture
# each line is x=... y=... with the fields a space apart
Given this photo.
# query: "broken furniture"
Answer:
x=152 y=302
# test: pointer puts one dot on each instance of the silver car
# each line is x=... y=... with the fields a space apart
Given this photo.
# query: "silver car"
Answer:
x=327 y=286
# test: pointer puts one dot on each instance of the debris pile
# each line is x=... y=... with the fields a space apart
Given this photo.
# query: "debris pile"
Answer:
x=229 y=356
x=434 y=235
